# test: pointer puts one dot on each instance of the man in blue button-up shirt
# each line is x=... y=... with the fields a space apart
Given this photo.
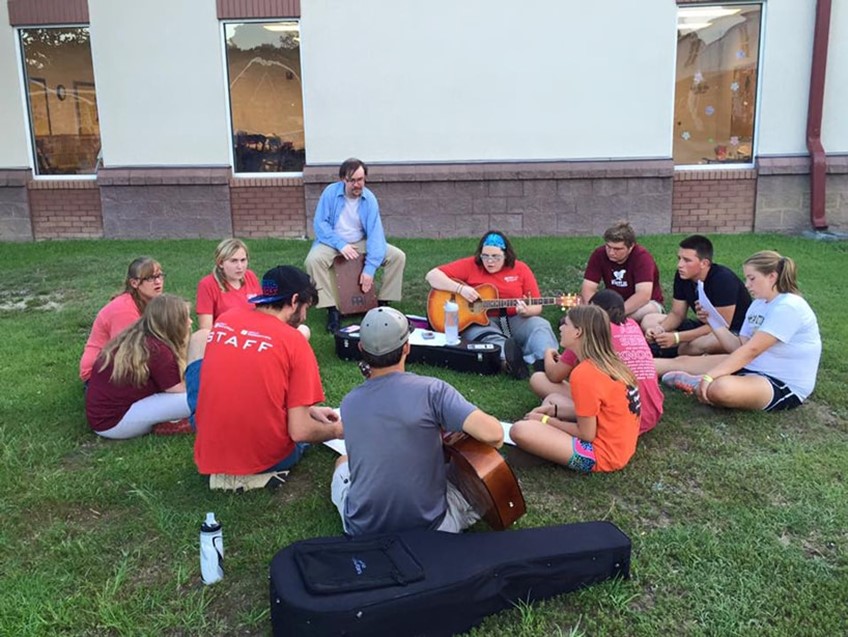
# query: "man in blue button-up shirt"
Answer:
x=347 y=222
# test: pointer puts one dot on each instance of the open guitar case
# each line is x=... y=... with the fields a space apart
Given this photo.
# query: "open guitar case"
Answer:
x=476 y=358
x=433 y=583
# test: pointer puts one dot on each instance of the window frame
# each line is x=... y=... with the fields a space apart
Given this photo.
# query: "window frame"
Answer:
x=228 y=100
x=681 y=4
x=25 y=100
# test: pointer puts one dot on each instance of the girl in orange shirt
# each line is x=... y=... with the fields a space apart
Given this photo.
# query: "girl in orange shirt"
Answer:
x=606 y=403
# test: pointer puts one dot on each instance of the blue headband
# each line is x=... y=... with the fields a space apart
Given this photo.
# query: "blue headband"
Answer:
x=495 y=240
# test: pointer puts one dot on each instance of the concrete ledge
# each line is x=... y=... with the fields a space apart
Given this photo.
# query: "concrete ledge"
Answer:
x=15 y=177
x=164 y=176
x=385 y=173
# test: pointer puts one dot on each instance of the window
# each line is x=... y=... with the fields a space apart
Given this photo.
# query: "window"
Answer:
x=62 y=100
x=266 y=100
x=716 y=86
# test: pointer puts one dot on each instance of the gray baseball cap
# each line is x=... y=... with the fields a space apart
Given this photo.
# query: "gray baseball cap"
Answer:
x=383 y=330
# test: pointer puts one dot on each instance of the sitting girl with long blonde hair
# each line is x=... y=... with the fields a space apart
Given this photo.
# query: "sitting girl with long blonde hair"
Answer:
x=606 y=403
x=137 y=380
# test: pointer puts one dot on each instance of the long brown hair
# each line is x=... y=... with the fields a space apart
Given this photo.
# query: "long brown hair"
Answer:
x=597 y=342
x=166 y=319
x=225 y=250
x=139 y=269
x=767 y=261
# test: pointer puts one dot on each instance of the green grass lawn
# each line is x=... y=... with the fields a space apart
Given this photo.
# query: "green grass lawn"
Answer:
x=739 y=521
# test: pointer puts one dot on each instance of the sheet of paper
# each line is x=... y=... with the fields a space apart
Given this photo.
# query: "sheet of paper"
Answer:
x=338 y=445
x=715 y=319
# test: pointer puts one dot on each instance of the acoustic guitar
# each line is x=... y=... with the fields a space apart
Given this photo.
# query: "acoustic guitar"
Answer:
x=485 y=479
x=476 y=312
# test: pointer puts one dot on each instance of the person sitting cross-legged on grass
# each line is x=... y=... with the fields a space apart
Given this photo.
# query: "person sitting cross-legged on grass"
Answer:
x=774 y=360
x=257 y=387
x=394 y=477
x=603 y=435
x=145 y=281
x=631 y=347
x=137 y=381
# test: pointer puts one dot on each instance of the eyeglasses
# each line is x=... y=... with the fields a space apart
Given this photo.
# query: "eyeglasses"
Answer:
x=358 y=180
x=153 y=277
x=491 y=257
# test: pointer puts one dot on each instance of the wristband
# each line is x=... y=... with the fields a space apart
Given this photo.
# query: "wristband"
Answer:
x=707 y=378
x=545 y=419
x=556 y=411
x=677 y=338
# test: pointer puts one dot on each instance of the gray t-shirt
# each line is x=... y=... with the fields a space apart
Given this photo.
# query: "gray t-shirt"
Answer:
x=393 y=426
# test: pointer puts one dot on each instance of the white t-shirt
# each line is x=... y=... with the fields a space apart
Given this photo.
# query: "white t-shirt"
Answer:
x=794 y=359
x=349 y=225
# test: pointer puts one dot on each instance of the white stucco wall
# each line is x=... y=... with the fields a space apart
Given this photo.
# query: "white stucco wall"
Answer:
x=785 y=77
x=160 y=82
x=14 y=152
x=487 y=80
x=835 y=120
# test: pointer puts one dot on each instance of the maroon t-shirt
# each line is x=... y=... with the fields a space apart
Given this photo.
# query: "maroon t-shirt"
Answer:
x=640 y=267
x=106 y=402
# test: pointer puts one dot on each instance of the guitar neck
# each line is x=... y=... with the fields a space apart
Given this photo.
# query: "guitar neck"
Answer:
x=494 y=304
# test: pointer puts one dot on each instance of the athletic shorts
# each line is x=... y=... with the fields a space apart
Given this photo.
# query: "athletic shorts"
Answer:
x=782 y=397
x=582 y=456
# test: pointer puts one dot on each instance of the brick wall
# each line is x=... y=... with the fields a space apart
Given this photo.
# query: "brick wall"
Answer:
x=15 y=224
x=271 y=207
x=714 y=201
x=65 y=209
x=521 y=199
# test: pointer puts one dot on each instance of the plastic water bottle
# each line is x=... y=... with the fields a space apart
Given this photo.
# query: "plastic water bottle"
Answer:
x=211 y=550
x=451 y=322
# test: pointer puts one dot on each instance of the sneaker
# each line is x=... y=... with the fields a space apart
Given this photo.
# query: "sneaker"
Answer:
x=334 y=320
x=514 y=359
x=173 y=428
x=687 y=383
x=227 y=482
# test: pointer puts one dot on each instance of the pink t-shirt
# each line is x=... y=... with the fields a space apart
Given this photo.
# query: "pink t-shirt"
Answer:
x=211 y=300
x=116 y=316
x=632 y=348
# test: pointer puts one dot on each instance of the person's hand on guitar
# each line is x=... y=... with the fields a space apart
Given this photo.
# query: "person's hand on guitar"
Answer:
x=468 y=293
x=350 y=252
x=365 y=282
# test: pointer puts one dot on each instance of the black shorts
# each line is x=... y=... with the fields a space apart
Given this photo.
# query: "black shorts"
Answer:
x=782 y=397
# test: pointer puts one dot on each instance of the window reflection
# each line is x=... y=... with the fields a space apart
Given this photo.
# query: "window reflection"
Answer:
x=715 y=93
x=62 y=100
x=266 y=98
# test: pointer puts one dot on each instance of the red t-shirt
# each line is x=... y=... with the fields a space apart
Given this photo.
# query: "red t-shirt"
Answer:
x=596 y=394
x=254 y=370
x=211 y=300
x=640 y=267
x=511 y=283
x=116 y=316
x=106 y=402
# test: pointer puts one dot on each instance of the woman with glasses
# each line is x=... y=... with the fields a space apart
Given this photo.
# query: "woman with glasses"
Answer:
x=520 y=331
x=137 y=380
x=145 y=281
x=230 y=285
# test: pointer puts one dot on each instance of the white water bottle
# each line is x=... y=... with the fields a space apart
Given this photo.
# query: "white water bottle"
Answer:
x=451 y=322
x=211 y=550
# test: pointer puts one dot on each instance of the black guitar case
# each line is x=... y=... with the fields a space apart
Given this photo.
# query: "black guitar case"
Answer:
x=477 y=358
x=433 y=583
